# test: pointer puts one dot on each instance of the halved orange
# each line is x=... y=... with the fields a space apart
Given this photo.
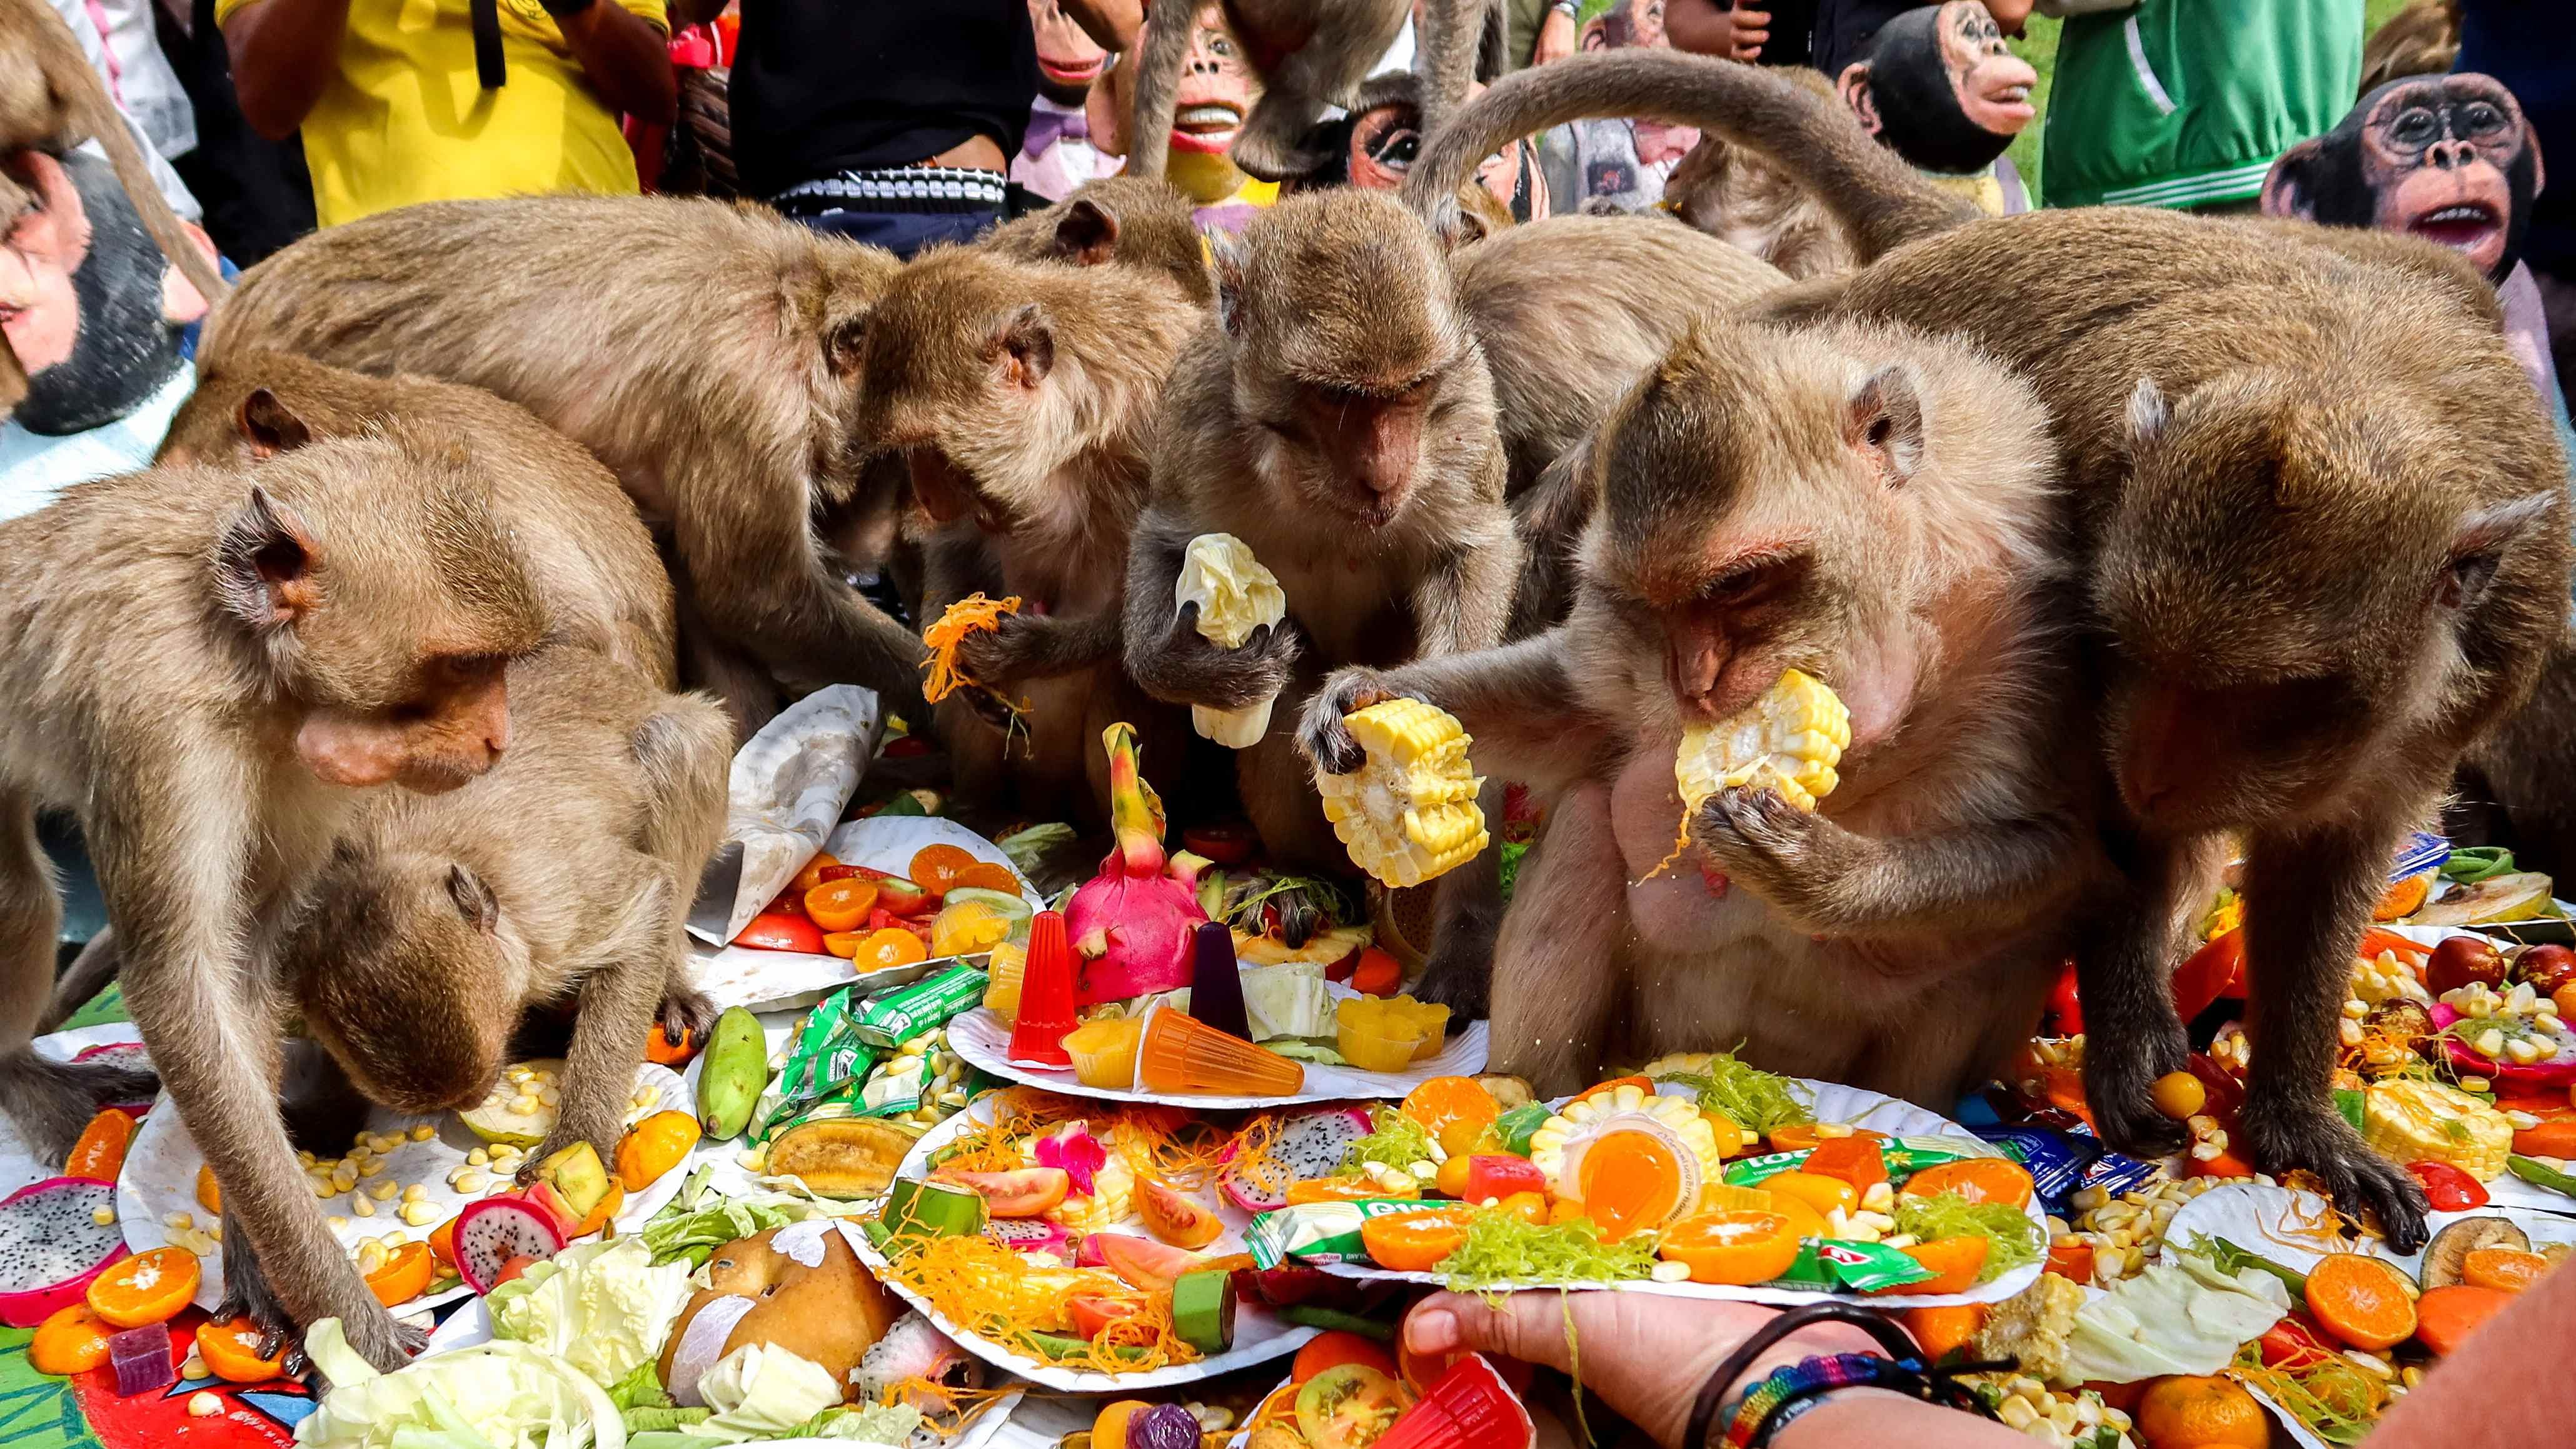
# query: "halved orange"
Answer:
x=146 y=1288
x=1454 y=1110
x=1955 y=1263
x=1629 y=1180
x=936 y=868
x=71 y=1340
x=2508 y=1270
x=840 y=905
x=1802 y=1136
x=984 y=875
x=1978 y=1179
x=405 y=1275
x=231 y=1349
x=1738 y=1247
x=100 y=1152
x=1415 y=1242
x=893 y=946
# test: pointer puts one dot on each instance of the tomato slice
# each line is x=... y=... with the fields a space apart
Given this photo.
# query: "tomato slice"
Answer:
x=2448 y=1188
x=781 y=933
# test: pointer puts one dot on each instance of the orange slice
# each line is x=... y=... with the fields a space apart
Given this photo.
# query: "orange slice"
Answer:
x=146 y=1288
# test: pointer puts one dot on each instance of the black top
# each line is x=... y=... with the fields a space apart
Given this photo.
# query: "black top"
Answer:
x=1791 y=20
x=2528 y=46
x=825 y=86
x=1843 y=29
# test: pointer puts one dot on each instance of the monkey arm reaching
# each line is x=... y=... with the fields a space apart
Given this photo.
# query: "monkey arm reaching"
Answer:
x=1519 y=702
x=620 y=990
x=1166 y=655
x=1829 y=880
x=1464 y=603
x=1043 y=646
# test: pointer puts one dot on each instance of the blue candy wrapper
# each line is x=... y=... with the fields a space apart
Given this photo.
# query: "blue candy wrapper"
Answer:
x=2116 y=1173
x=2057 y=1161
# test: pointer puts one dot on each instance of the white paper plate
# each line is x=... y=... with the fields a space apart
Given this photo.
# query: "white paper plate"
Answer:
x=2277 y=1223
x=1832 y=1102
x=1259 y=1334
x=980 y=1037
x=777 y=980
x=160 y=1178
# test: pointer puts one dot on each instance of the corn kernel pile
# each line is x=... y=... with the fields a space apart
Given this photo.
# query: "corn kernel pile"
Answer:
x=2128 y=1232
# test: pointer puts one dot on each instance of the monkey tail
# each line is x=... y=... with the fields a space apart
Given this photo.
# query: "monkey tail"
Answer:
x=1880 y=201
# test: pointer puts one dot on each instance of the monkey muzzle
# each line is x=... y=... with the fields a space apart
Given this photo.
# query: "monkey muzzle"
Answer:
x=1374 y=446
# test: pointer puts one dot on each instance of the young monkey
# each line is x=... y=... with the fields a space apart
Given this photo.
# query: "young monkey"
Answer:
x=1339 y=419
x=1878 y=509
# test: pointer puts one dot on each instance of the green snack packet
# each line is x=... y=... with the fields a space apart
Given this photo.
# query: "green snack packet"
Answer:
x=1518 y=1125
x=895 y=1088
x=1866 y=1267
x=890 y=1018
x=824 y=1052
x=1750 y=1171
x=1319 y=1232
x=1807 y=1272
x=1904 y=1156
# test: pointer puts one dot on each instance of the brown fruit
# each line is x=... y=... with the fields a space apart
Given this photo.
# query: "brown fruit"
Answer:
x=2462 y=960
x=2546 y=967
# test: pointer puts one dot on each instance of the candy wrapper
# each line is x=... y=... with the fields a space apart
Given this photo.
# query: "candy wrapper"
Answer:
x=1235 y=595
x=1904 y=1156
x=789 y=786
x=872 y=1056
x=1318 y=1232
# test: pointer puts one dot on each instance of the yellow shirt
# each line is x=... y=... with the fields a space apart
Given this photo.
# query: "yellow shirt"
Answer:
x=405 y=119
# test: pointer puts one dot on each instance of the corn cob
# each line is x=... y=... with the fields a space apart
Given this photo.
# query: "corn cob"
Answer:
x=1235 y=595
x=2414 y=1121
x=1409 y=813
x=1789 y=739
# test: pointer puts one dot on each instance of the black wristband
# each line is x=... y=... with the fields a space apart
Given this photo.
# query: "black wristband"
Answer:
x=1712 y=1394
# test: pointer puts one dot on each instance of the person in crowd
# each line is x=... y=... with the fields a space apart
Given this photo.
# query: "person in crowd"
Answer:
x=2529 y=46
x=256 y=192
x=1540 y=31
x=2186 y=103
x=403 y=101
x=121 y=44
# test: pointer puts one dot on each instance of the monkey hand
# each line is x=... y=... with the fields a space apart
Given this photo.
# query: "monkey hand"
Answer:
x=1322 y=735
x=684 y=1009
x=1188 y=669
x=1018 y=646
x=247 y=1295
x=1800 y=862
x=2317 y=1138
x=2119 y=1085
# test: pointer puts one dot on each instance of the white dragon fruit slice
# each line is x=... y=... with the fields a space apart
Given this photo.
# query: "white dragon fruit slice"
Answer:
x=1307 y=1146
x=1029 y=1235
x=52 y=1244
x=491 y=1232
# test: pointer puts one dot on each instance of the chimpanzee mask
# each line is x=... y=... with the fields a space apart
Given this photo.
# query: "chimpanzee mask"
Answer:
x=2445 y=157
x=1939 y=87
x=91 y=310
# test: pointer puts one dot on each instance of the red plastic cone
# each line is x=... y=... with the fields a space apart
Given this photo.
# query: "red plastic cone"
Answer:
x=1046 y=996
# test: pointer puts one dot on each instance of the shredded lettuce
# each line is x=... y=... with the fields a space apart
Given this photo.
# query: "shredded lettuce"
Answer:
x=1751 y=1098
x=1502 y=1249
x=2012 y=1239
x=2333 y=1399
x=692 y=1234
x=601 y=1308
x=1394 y=1139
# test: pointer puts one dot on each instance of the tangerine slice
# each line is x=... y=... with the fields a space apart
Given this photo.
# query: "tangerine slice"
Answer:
x=1454 y=1110
x=231 y=1349
x=1629 y=1180
x=146 y=1288
x=1415 y=1242
x=100 y=1153
x=893 y=946
x=936 y=868
x=404 y=1277
x=984 y=875
x=1738 y=1247
x=840 y=905
x=2509 y=1270
x=72 y=1340
x=2361 y=1300
x=1978 y=1179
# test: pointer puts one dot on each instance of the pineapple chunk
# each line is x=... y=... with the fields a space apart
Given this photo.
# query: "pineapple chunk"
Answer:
x=2414 y=1121
x=1409 y=812
x=1790 y=740
x=1236 y=594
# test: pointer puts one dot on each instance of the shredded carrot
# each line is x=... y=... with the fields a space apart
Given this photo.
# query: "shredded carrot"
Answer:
x=996 y=1294
x=966 y=616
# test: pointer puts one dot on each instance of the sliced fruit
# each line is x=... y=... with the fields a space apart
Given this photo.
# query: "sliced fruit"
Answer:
x=935 y=867
x=405 y=1276
x=1978 y=1179
x=1109 y=1431
x=210 y=1194
x=99 y=1154
x=1954 y=1262
x=1734 y=1247
x=1004 y=899
x=515 y=1269
x=442 y=1243
x=1024 y=1193
x=496 y=1231
x=654 y=1146
x=891 y=947
x=146 y=1288
x=814 y=872
x=1824 y=1194
x=1143 y=1263
x=1415 y=1242
x=501 y=1117
x=2503 y=1269
x=1348 y=1407
x=72 y=1340
x=1175 y=1217
x=776 y=931
x=1336 y=1348
x=2361 y=1300
x=1341 y=1189
x=840 y=905
x=660 y=1050
x=1454 y=1110
x=1091 y=1312
x=231 y=1349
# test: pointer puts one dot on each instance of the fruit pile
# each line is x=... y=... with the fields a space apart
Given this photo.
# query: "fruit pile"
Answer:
x=946 y=903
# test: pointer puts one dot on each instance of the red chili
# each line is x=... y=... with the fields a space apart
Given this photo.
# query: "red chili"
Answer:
x=2450 y=1189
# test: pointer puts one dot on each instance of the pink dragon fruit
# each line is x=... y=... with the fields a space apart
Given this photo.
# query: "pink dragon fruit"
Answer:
x=1131 y=923
x=1029 y=1235
x=496 y=1229
x=1308 y=1146
x=52 y=1244
x=1073 y=1148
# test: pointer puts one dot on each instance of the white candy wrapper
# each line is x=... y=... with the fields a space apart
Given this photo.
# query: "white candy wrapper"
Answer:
x=1235 y=595
x=790 y=784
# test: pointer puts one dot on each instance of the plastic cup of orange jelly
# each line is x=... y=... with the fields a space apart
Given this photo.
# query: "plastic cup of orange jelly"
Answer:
x=1187 y=1057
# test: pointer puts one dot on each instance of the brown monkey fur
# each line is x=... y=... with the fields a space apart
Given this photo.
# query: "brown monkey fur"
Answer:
x=1134 y=221
x=1024 y=395
x=2324 y=527
x=1338 y=419
x=50 y=100
x=590 y=558
x=1733 y=194
x=707 y=354
x=209 y=666
x=1309 y=54
x=1878 y=508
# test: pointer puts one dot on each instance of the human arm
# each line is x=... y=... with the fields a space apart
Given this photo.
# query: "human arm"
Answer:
x=1555 y=36
x=2507 y=1385
x=283 y=53
x=626 y=57
x=2009 y=14
x=1710 y=27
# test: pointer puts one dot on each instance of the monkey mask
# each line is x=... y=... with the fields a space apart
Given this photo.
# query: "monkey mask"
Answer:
x=1374 y=145
x=1069 y=60
x=2448 y=158
x=89 y=304
x=1938 y=86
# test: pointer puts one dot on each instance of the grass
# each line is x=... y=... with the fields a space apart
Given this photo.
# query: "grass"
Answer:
x=2039 y=46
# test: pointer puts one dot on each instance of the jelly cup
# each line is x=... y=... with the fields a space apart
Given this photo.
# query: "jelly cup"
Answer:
x=1185 y=1056
x=1046 y=996
x=1378 y=1044
x=1005 y=969
x=1469 y=1407
x=1104 y=1052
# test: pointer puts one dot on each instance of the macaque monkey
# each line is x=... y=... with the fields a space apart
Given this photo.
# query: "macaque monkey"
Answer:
x=211 y=667
x=50 y=100
x=1131 y=220
x=2323 y=525
x=1338 y=418
x=1310 y=54
x=1874 y=507
x=1024 y=396
x=1733 y=194
x=707 y=354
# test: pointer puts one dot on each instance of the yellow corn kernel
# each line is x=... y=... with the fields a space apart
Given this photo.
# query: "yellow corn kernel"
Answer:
x=1409 y=813
x=1789 y=740
x=2414 y=1121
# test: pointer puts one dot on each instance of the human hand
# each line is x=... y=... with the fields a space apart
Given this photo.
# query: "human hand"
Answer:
x=1752 y=31
x=1646 y=1356
x=1555 y=38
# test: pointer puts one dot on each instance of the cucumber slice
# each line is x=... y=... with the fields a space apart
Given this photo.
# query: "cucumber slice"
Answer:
x=1012 y=906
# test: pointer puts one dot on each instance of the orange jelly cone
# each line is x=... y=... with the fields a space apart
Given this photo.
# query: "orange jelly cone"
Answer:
x=1185 y=1056
x=1046 y=996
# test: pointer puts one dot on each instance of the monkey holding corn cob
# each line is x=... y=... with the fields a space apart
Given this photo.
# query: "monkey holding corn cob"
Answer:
x=1815 y=623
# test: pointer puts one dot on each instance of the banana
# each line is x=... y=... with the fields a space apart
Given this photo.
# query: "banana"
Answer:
x=731 y=1073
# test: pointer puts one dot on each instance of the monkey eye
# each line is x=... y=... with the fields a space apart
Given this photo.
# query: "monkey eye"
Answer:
x=2478 y=118
x=2464 y=580
x=2415 y=126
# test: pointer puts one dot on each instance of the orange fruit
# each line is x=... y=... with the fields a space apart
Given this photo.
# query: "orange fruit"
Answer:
x=1628 y=1180
x=1415 y=1242
x=442 y=1243
x=1801 y=1136
x=72 y=1340
x=1978 y=1179
x=146 y=1288
x=609 y=1205
x=1824 y=1194
x=1738 y=1247
x=2187 y=1412
x=841 y=905
x=1955 y=1263
x=878 y=950
x=231 y=1349
x=2508 y=1269
x=812 y=875
x=662 y=1051
x=100 y=1152
x=1338 y=1347
x=405 y=1275
x=1334 y=1189
x=984 y=875
x=1939 y=1330
x=936 y=868
x=1453 y=1110
x=2361 y=1300
x=653 y=1147
x=210 y=1194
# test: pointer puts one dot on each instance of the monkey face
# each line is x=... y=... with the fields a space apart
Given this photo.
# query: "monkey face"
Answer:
x=1069 y=60
x=2437 y=154
x=397 y=962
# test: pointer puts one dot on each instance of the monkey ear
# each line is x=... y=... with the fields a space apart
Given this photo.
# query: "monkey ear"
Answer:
x=1087 y=234
x=845 y=344
x=474 y=900
x=2148 y=413
x=1853 y=86
x=264 y=564
x=2478 y=545
x=1885 y=422
x=2289 y=188
x=1463 y=227
x=1025 y=346
x=1225 y=260
x=270 y=426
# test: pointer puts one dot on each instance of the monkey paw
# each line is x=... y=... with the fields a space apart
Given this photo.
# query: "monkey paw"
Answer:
x=2119 y=1088
x=247 y=1295
x=1460 y=979
x=684 y=1009
x=1783 y=853
x=2355 y=1177
x=1010 y=649
x=1326 y=740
